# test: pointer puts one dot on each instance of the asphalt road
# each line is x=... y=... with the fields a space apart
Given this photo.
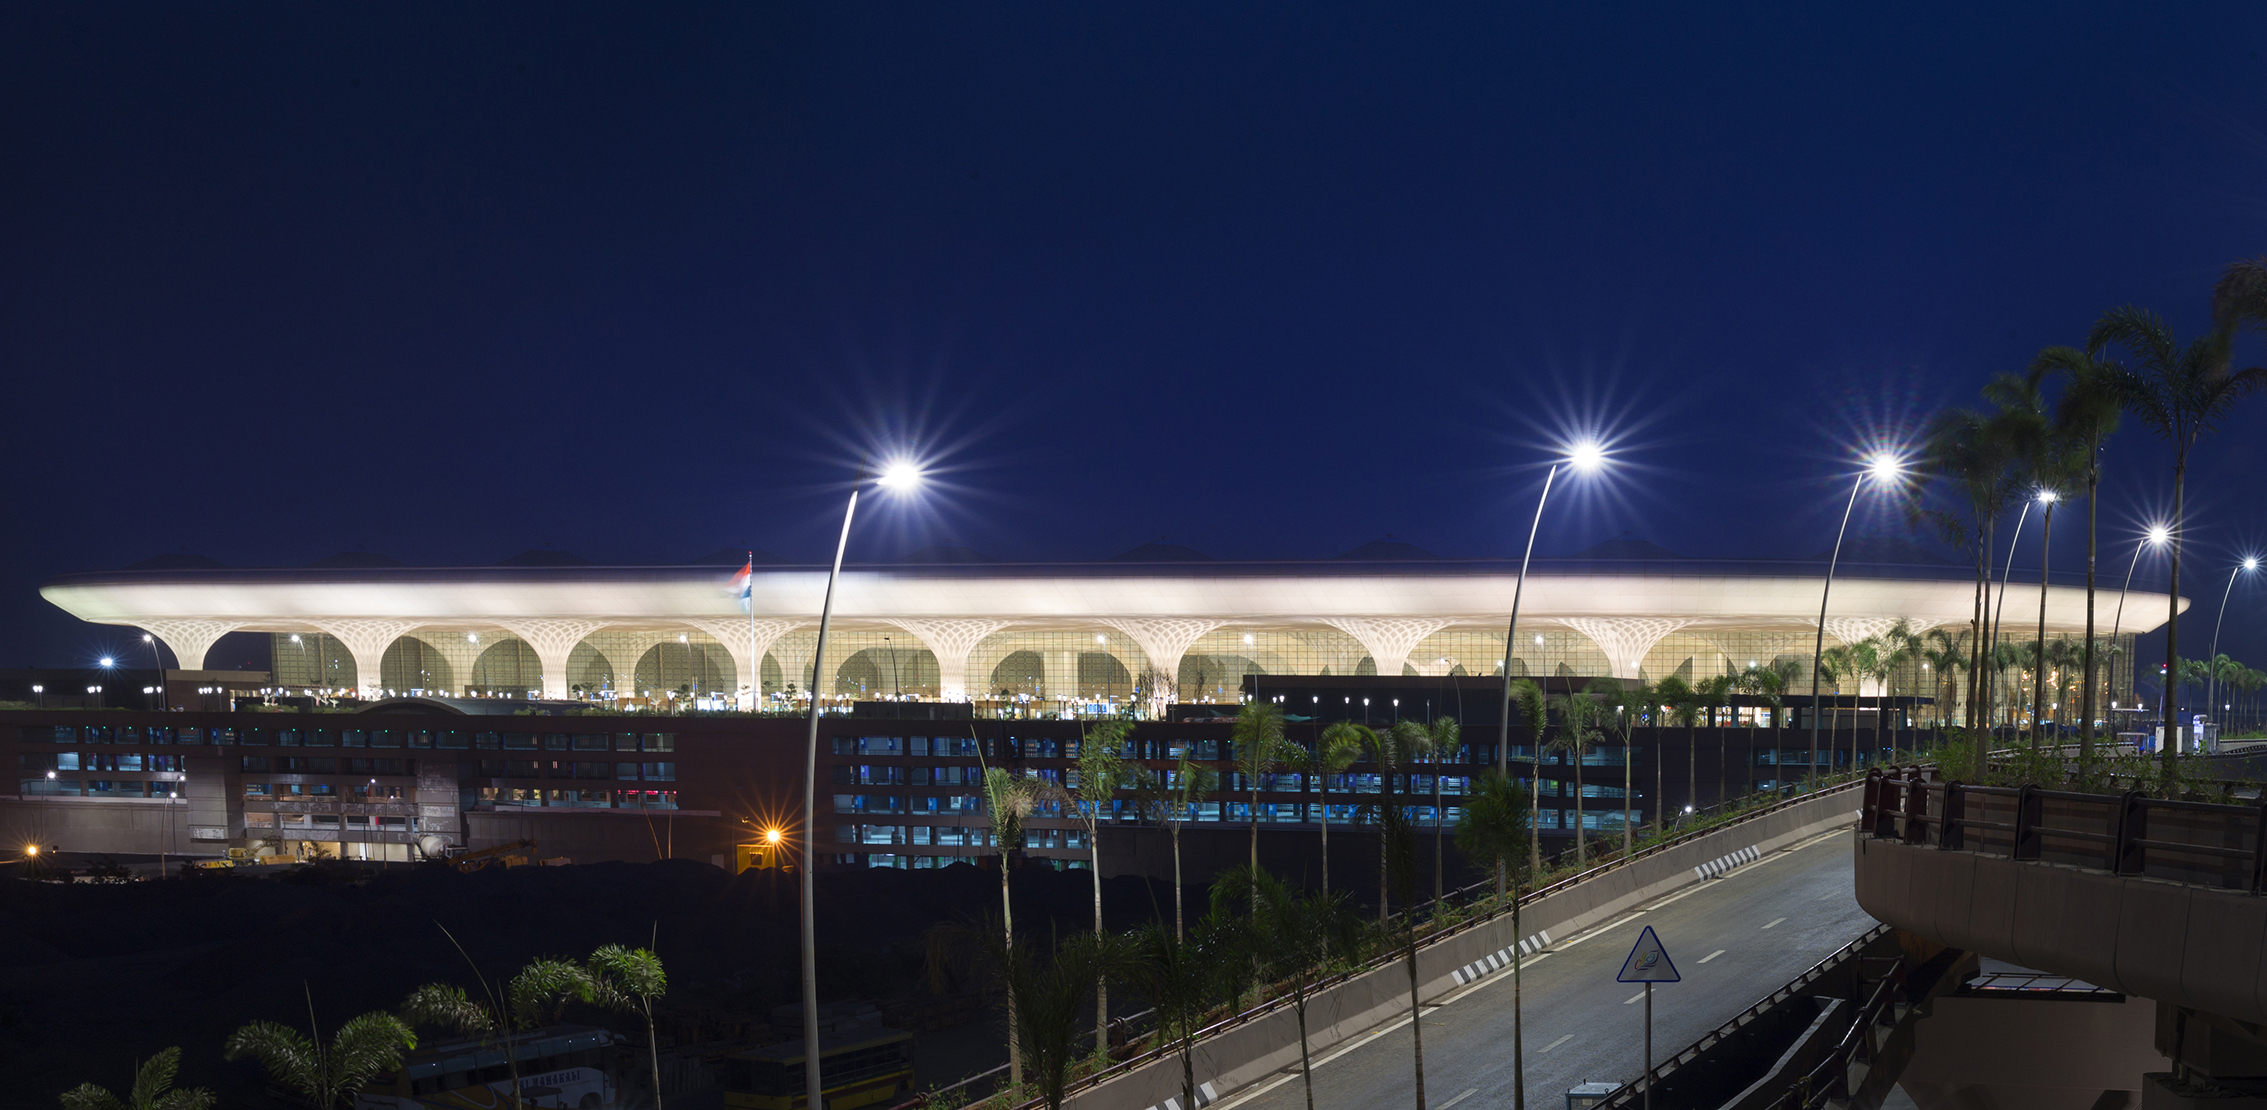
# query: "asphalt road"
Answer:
x=1733 y=939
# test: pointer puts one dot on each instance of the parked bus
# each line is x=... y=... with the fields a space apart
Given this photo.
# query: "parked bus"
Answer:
x=857 y=1067
x=564 y=1066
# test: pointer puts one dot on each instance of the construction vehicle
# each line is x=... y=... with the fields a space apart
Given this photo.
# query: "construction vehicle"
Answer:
x=518 y=853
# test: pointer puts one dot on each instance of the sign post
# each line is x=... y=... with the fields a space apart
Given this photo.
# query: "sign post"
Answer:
x=1648 y=963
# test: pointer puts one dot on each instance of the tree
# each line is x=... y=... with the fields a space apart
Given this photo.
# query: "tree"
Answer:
x=1258 y=740
x=1009 y=800
x=1299 y=935
x=1488 y=832
x=1178 y=977
x=1101 y=774
x=1618 y=705
x=532 y=997
x=1712 y=695
x=628 y=980
x=1340 y=744
x=152 y=1079
x=1578 y=730
x=1682 y=702
x=1397 y=843
x=2087 y=413
x=1536 y=712
x=326 y=1076
x=2181 y=392
x=1167 y=798
x=1975 y=453
x=1946 y=655
x=1444 y=738
x=1044 y=997
x=1394 y=749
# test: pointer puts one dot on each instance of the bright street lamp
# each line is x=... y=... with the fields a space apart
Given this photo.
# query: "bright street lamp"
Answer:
x=900 y=475
x=1883 y=468
x=2212 y=660
x=1585 y=457
x=2156 y=536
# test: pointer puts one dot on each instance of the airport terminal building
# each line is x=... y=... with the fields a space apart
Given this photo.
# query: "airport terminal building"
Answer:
x=560 y=703
x=1156 y=626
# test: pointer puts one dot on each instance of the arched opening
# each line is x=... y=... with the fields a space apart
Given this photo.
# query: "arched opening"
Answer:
x=412 y=664
x=506 y=668
x=685 y=668
x=888 y=671
x=1021 y=674
x=1101 y=675
x=1212 y=678
x=588 y=670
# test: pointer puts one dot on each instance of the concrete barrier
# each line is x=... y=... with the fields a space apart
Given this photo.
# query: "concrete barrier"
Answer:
x=1244 y=1053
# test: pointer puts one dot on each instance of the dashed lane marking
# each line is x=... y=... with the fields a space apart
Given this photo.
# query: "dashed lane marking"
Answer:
x=1775 y=921
x=1556 y=1043
x=1711 y=955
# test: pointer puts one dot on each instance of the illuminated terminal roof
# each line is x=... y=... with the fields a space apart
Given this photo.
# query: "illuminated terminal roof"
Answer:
x=1160 y=620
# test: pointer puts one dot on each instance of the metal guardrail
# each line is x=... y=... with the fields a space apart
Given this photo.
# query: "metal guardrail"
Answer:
x=2199 y=843
x=1633 y=1092
x=939 y=1097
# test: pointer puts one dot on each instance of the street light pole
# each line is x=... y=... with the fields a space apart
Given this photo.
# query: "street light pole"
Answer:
x=2212 y=661
x=164 y=702
x=813 y=1091
x=1884 y=468
x=2155 y=536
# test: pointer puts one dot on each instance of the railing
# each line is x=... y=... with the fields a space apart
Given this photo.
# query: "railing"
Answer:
x=1162 y=1049
x=2200 y=843
x=1814 y=1088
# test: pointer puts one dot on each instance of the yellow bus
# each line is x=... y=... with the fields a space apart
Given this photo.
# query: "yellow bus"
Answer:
x=872 y=1066
x=570 y=1067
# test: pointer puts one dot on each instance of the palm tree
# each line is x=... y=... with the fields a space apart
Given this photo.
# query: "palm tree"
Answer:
x=152 y=1078
x=1618 y=706
x=1488 y=833
x=2181 y=392
x=1101 y=774
x=532 y=997
x=1536 y=712
x=1178 y=978
x=1396 y=844
x=1683 y=704
x=1167 y=798
x=1445 y=738
x=1975 y=454
x=1043 y=999
x=2086 y=412
x=1394 y=748
x=1578 y=730
x=328 y=1076
x=1340 y=744
x=628 y=980
x=1009 y=800
x=1710 y=695
x=1299 y=935
x=1258 y=740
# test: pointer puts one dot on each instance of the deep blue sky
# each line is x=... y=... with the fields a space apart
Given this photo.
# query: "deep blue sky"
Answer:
x=453 y=281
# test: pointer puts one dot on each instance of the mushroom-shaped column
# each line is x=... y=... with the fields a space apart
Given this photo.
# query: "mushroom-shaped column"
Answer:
x=367 y=641
x=1164 y=641
x=190 y=639
x=951 y=641
x=1625 y=640
x=1388 y=639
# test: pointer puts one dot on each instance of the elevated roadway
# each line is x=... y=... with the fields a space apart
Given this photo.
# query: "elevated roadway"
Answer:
x=1734 y=939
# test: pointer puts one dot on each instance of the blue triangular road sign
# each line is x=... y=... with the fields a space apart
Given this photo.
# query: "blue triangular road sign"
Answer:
x=1648 y=962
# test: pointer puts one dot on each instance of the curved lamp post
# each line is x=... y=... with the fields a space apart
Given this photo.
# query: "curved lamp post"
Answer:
x=1584 y=457
x=1885 y=468
x=2154 y=537
x=898 y=476
x=2212 y=660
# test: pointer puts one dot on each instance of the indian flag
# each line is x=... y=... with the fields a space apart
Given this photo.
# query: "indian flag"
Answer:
x=744 y=584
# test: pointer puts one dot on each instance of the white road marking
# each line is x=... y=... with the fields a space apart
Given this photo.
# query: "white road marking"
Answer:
x=1625 y=1002
x=1459 y=1098
x=1711 y=955
x=1556 y=1043
x=1775 y=921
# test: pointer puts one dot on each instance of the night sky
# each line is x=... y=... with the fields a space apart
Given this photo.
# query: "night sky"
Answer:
x=638 y=282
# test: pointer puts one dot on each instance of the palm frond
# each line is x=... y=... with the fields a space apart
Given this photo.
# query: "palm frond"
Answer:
x=290 y=1058
x=366 y=1047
